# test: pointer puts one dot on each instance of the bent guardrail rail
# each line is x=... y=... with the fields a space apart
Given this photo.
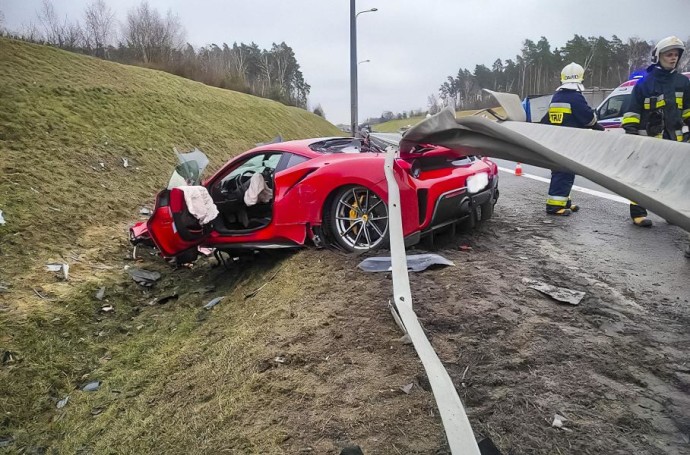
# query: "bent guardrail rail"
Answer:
x=654 y=173
x=455 y=422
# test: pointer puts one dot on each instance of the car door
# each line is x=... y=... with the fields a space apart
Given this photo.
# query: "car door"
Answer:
x=171 y=226
x=610 y=113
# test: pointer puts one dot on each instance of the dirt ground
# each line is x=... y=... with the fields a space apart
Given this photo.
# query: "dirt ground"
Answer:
x=616 y=366
x=303 y=356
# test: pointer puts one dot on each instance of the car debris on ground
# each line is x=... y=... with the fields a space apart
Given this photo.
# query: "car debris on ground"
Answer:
x=564 y=295
x=92 y=386
x=100 y=295
x=63 y=269
x=558 y=421
x=62 y=403
x=213 y=303
x=167 y=298
x=143 y=277
x=415 y=263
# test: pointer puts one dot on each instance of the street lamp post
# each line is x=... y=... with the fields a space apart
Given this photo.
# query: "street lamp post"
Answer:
x=353 y=64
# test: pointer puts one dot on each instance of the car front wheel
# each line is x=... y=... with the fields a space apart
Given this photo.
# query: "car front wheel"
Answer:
x=358 y=219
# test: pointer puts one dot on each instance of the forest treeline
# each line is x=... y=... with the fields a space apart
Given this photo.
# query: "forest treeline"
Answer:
x=148 y=38
x=536 y=70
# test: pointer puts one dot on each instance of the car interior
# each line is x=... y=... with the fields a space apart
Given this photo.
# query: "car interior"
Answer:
x=228 y=194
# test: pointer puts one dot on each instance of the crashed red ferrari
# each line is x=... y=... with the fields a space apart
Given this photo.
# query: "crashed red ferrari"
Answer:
x=327 y=191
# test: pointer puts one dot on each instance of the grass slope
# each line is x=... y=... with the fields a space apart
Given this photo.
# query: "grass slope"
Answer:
x=175 y=378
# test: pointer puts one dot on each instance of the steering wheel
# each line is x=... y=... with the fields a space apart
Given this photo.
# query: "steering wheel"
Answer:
x=241 y=180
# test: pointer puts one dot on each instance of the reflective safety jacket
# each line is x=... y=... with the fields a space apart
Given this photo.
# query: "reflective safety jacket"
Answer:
x=659 y=105
x=569 y=108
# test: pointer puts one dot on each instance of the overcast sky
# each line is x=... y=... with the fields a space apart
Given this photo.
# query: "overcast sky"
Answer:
x=413 y=45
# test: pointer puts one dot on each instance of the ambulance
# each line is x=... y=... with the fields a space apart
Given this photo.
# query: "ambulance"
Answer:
x=610 y=111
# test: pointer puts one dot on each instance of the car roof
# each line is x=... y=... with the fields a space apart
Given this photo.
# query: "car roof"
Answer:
x=313 y=147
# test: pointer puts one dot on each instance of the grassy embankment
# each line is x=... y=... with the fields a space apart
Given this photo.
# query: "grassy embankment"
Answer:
x=66 y=122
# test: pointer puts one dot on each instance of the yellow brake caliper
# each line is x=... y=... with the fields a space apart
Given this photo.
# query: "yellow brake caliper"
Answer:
x=353 y=212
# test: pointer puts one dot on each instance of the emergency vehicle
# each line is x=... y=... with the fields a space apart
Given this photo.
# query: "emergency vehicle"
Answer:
x=610 y=111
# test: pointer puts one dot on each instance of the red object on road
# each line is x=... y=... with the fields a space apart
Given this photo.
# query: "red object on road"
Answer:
x=518 y=169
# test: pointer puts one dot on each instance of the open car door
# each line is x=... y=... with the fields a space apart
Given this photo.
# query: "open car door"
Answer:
x=172 y=227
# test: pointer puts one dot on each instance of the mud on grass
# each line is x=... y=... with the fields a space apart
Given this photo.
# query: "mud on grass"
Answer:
x=280 y=365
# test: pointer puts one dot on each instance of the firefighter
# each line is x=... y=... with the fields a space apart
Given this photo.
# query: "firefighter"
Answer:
x=567 y=108
x=660 y=106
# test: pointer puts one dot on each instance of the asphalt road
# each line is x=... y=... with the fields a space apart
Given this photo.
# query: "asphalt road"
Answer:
x=642 y=259
x=636 y=258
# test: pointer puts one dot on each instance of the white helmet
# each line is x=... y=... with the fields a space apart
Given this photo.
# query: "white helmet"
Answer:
x=667 y=44
x=571 y=77
x=573 y=73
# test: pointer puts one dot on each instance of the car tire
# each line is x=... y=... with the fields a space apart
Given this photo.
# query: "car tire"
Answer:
x=357 y=219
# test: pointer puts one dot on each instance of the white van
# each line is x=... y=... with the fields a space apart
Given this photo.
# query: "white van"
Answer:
x=610 y=111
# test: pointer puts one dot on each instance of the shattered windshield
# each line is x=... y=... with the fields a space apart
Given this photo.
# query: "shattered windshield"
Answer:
x=189 y=170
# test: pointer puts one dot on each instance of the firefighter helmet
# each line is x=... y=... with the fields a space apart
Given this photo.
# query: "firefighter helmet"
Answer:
x=572 y=73
x=667 y=44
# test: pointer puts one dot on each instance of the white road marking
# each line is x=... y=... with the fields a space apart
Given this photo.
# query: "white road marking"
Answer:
x=610 y=197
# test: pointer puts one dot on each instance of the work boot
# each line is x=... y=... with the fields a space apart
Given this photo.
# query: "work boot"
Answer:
x=559 y=212
x=642 y=221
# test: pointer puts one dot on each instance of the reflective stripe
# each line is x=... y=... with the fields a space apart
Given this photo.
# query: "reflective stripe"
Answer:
x=560 y=110
x=660 y=102
x=560 y=105
x=679 y=135
x=559 y=201
x=631 y=118
x=679 y=99
x=686 y=114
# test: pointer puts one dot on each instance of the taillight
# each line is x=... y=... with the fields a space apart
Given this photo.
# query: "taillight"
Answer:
x=415 y=168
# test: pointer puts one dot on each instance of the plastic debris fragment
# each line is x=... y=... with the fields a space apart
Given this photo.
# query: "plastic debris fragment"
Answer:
x=564 y=295
x=92 y=386
x=213 y=303
x=415 y=263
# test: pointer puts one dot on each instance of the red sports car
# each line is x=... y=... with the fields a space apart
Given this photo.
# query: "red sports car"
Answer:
x=327 y=191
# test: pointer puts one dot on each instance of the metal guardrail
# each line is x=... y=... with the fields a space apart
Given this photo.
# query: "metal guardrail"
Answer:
x=652 y=172
x=455 y=422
